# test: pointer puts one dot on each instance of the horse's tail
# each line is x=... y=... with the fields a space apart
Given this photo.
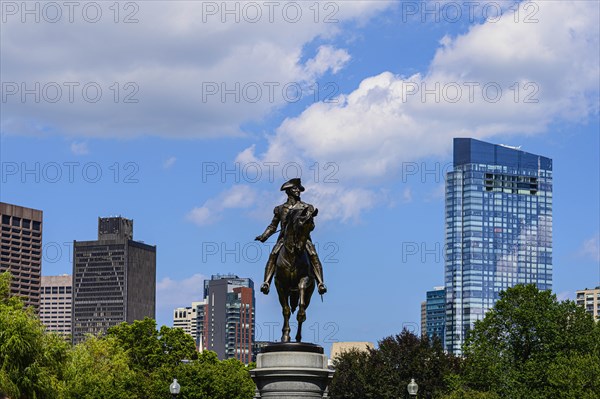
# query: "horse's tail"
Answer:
x=294 y=299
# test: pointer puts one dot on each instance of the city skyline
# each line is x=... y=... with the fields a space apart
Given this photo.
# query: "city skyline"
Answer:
x=182 y=143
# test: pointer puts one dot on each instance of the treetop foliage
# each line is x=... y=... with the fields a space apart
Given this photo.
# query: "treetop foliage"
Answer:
x=529 y=346
x=134 y=361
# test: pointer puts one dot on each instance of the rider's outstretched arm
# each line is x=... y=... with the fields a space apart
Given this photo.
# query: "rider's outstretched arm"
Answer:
x=272 y=228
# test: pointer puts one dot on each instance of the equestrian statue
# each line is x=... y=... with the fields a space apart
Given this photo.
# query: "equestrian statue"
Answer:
x=293 y=261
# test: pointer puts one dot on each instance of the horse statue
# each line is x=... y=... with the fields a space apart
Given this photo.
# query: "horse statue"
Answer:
x=294 y=276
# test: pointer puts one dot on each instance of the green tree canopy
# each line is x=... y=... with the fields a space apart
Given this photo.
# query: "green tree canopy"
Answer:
x=98 y=368
x=31 y=360
x=530 y=344
x=351 y=379
x=385 y=372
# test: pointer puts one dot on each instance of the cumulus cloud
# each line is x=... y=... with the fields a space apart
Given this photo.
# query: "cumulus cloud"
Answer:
x=327 y=58
x=171 y=294
x=336 y=202
x=166 y=71
x=591 y=248
x=169 y=162
x=78 y=148
x=239 y=196
x=501 y=77
x=506 y=76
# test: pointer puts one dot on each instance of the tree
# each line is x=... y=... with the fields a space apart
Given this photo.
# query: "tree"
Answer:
x=140 y=341
x=153 y=355
x=386 y=371
x=207 y=377
x=31 y=360
x=351 y=379
x=99 y=368
x=176 y=345
x=529 y=343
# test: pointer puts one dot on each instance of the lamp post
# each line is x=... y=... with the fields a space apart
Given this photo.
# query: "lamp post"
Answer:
x=413 y=388
x=174 y=388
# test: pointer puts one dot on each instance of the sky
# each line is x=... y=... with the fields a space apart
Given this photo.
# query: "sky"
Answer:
x=187 y=116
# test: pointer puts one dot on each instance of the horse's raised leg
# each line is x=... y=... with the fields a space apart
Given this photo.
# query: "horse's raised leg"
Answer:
x=283 y=300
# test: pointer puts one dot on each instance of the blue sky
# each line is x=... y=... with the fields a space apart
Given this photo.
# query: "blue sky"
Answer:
x=199 y=171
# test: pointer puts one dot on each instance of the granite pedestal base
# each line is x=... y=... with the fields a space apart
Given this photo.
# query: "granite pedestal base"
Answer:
x=291 y=371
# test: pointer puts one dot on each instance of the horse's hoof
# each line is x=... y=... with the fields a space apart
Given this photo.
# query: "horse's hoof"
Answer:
x=285 y=338
x=264 y=288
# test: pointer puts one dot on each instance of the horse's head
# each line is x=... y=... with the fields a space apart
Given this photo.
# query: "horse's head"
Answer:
x=299 y=225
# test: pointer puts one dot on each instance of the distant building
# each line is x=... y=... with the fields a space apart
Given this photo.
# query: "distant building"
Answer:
x=423 y=317
x=337 y=348
x=21 y=250
x=257 y=347
x=498 y=229
x=114 y=279
x=435 y=313
x=55 y=303
x=590 y=300
x=229 y=321
x=192 y=319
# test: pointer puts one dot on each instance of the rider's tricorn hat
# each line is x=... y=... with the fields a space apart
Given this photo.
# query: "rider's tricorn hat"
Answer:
x=292 y=183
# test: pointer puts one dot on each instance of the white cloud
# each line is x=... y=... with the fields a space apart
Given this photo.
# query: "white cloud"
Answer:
x=239 y=196
x=168 y=163
x=407 y=195
x=79 y=148
x=327 y=58
x=171 y=294
x=591 y=248
x=154 y=76
x=336 y=202
x=201 y=216
x=390 y=119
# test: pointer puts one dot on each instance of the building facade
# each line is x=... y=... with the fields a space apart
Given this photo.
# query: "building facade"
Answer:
x=498 y=229
x=56 y=297
x=21 y=250
x=590 y=300
x=423 y=317
x=192 y=320
x=435 y=313
x=114 y=279
x=229 y=320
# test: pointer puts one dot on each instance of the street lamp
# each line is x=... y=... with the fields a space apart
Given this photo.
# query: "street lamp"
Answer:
x=174 y=388
x=412 y=388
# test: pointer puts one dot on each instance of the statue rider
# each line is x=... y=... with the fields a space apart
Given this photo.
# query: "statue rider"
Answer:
x=292 y=188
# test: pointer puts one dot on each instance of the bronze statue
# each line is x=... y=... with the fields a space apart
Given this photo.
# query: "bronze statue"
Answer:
x=294 y=260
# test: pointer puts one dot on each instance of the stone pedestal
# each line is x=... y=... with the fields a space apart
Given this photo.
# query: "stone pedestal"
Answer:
x=291 y=371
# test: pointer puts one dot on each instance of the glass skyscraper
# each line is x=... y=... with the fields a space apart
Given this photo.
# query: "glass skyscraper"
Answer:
x=498 y=229
x=435 y=313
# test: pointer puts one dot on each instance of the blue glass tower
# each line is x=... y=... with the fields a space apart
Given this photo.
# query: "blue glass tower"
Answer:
x=498 y=229
x=435 y=313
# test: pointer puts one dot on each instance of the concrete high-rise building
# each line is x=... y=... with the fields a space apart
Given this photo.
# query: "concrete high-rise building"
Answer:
x=192 y=320
x=435 y=313
x=55 y=303
x=114 y=279
x=498 y=229
x=21 y=250
x=590 y=300
x=229 y=320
